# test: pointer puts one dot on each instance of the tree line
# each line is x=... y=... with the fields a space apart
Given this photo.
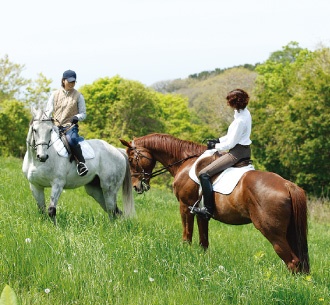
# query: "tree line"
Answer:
x=290 y=97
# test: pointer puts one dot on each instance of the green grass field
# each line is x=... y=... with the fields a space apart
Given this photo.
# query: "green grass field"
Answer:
x=86 y=259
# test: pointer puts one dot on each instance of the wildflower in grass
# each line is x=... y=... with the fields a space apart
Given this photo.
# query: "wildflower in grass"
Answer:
x=27 y=240
x=136 y=271
x=308 y=278
x=222 y=268
x=151 y=279
x=321 y=299
x=47 y=290
x=259 y=255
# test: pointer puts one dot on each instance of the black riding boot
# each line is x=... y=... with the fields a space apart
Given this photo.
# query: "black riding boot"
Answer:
x=81 y=166
x=207 y=190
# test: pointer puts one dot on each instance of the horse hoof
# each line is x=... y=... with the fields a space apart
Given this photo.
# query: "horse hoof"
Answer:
x=118 y=212
x=52 y=211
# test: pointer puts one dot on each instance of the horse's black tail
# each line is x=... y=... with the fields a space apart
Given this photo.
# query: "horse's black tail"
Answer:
x=298 y=227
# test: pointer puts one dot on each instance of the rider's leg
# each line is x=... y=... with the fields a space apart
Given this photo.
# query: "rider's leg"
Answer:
x=81 y=166
x=73 y=139
x=205 y=175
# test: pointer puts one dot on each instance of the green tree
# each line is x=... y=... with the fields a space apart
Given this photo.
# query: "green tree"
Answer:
x=14 y=124
x=16 y=95
x=291 y=121
x=37 y=92
x=288 y=54
x=119 y=108
x=11 y=80
x=180 y=120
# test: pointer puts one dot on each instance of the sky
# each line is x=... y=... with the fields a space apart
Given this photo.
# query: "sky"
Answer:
x=153 y=40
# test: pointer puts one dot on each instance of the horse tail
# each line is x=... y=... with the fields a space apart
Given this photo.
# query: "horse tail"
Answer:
x=127 y=189
x=297 y=231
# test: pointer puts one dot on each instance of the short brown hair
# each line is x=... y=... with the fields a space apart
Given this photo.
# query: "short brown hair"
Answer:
x=238 y=99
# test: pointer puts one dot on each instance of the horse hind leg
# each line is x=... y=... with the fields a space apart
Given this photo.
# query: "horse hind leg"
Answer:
x=97 y=193
x=279 y=241
x=284 y=251
x=110 y=198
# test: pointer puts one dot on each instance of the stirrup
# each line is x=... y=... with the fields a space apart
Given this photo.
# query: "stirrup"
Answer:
x=82 y=169
x=201 y=212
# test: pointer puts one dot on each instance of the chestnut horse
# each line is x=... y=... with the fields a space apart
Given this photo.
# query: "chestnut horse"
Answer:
x=276 y=207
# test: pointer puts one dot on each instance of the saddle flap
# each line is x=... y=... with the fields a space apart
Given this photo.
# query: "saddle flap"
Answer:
x=63 y=151
x=225 y=181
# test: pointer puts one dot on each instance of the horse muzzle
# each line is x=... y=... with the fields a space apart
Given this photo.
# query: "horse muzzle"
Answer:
x=142 y=186
x=42 y=158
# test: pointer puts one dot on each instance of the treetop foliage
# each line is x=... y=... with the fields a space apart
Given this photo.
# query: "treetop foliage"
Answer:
x=291 y=118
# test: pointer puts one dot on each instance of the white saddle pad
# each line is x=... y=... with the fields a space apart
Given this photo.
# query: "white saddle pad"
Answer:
x=227 y=180
x=86 y=149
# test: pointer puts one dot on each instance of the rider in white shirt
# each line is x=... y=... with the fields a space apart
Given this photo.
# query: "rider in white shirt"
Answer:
x=237 y=142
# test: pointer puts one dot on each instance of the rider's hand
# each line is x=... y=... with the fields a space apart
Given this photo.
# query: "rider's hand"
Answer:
x=211 y=143
x=74 y=120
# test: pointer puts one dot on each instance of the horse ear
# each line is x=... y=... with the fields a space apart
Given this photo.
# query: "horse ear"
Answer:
x=125 y=143
x=33 y=111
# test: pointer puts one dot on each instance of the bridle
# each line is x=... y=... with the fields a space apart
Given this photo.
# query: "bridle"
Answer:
x=35 y=145
x=147 y=176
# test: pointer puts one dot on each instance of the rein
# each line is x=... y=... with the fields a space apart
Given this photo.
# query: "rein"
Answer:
x=165 y=168
x=160 y=171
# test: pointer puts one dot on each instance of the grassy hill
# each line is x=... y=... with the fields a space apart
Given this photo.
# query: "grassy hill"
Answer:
x=206 y=94
x=87 y=259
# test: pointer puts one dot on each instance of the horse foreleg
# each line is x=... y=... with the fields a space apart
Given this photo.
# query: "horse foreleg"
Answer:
x=39 y=195
x=187 y=220
x=203 y=229
x=55 y=195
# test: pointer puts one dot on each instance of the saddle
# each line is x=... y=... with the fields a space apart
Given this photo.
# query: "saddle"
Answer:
x=62 y=147
x=208 y=160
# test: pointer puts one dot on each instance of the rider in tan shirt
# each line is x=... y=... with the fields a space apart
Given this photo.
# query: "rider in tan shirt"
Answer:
x=68 y=108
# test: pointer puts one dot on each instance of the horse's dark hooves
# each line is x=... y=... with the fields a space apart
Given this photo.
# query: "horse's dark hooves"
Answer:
x=52 y=211
x=118 y=212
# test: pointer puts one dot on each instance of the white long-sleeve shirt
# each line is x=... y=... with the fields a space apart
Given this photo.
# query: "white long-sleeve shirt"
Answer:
x=239 y=131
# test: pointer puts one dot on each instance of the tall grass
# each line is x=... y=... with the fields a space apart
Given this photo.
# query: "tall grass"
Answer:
x=86 y=259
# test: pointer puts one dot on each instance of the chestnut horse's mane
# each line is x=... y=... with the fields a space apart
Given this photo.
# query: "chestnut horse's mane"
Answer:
x=175 y=147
